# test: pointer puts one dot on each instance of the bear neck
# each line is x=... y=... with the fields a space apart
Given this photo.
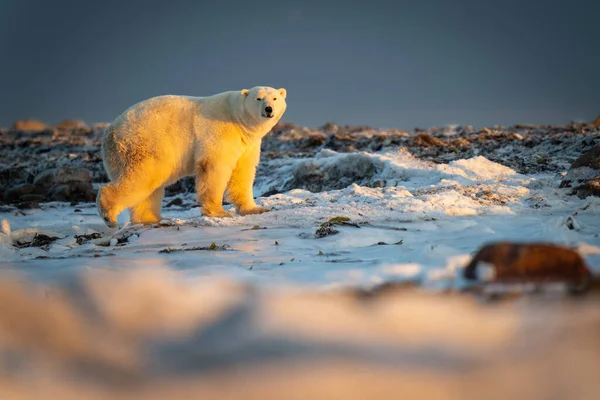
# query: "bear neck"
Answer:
x=253 y=128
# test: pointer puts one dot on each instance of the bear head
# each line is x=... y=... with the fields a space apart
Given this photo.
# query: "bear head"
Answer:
x=265 y=102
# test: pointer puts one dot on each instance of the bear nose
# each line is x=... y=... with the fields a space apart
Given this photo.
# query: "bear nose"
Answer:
x=269 y=109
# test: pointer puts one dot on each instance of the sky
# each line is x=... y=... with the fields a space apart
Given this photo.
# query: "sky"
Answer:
x=386 y=64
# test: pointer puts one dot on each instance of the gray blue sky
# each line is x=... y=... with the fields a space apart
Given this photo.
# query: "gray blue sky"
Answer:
x=382 y=63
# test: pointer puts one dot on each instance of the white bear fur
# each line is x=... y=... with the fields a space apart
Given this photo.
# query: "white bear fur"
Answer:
x=160 y=140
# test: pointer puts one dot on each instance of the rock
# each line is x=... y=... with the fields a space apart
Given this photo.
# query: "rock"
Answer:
x=38 y=240
x=71 y=192
x=326 y=230
x=330 y=127
x=27 y=205
x=293 y=139
x=30 y=125
x=15 y=193
x=175 y=202
x=33 y=198
x=61 y=175
x=596 y=123
x=460 y=143
x=186 y=184
x=589 y=188
x=531 y=263
x=425 y=140
x=584 y=174
x=14 y=175
x=72 y=124
x=314 y=177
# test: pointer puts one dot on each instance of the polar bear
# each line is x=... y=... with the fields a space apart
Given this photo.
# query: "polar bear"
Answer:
x=158 y=141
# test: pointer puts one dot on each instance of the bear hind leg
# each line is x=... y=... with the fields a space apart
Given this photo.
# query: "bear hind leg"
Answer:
x=148 y=210
x=119 y=195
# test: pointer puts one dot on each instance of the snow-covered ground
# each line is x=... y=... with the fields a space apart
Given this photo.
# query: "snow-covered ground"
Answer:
x=424 y=224
x=173 y=297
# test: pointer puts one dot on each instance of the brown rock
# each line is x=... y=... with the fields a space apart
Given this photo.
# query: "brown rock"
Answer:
x=596 y=123
x=461 y=143
x=584 y=174
x=29 y=125
x=590 y=159
x=330 y=127
x=425 y=140
x=532 y=263
x=70 y=124
x=589 y=188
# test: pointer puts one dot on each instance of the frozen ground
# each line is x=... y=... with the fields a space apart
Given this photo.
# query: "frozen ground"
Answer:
x=262 y=307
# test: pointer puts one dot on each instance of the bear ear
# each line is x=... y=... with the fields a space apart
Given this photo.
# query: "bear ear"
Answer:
x=283 y=92
x=245 y=92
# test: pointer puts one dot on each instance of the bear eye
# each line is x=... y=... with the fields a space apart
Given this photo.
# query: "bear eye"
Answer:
x=259 y=99
x=274 y=98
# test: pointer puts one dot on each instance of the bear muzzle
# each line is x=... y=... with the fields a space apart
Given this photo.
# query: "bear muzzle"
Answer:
x=268 y=112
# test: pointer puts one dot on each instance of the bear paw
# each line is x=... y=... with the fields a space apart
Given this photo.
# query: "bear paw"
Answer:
x=254 y=210
x=216 y=213
x=110 y=223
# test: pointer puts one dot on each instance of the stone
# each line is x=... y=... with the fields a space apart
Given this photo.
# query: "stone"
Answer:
x=584 y=174
x=175 y=202
x=531 y=263
x=425 y=140
x=14 y=175
x=16 y=192
x=72 y=192
x=66 y=174
x=71 y=124
x=30 y=125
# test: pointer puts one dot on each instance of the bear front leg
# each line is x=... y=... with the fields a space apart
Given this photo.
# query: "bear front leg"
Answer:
x=239 y=190
x=211 y=182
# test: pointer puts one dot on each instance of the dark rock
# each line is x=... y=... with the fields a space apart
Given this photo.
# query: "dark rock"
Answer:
x=590 y=159
x=90 y=195
x=184 y=185
x=175 y=202
x=82 y=239
x=589 y=188
x=62 y=175
x=15 y=175
x=17 y=192
x=584 y=174
x=26 y=205
x=72 y=192
x=341 y=142
x=326 y=230
x=39 y=240
x=532 y=263
x=34 y=198
x=318 y=178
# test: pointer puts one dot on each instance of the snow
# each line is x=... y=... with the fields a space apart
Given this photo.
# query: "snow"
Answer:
x=438 y=211
x=174 y=294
